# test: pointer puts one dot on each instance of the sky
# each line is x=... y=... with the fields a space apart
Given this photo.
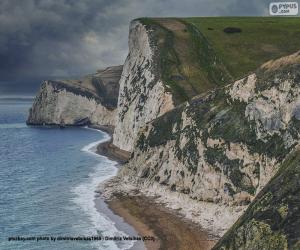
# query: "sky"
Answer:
x=44 y=39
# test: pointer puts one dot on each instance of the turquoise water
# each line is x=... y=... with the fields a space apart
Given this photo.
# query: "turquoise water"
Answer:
x=47 y=181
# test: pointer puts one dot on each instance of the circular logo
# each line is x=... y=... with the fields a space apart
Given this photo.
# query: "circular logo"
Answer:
x=274 y=8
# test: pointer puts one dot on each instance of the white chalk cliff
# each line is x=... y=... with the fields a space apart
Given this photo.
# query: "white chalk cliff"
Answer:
x=209 y=156
x=220 y=149
x=143 y=96
x=92 y=100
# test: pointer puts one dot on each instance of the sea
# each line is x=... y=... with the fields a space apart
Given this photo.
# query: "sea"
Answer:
x=48 y=178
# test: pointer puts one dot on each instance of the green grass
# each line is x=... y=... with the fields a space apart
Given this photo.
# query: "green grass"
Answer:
x=196 y=55
x=261 y=39
x=186 y=62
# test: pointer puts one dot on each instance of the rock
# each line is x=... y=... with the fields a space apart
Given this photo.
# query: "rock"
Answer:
x=222 y=147
x=92 y=100
x=209 y=155
x=272 y=220
x=143 y=96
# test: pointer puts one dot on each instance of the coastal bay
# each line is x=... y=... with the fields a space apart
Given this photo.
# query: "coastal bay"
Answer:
x=162 y=228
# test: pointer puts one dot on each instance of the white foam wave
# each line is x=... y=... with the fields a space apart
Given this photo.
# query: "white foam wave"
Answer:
x=91 y=148
x=85 y=195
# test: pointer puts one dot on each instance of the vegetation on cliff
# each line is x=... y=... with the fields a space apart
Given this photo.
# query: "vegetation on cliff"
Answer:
x=221 y=143
x=90 y=100
x=240 y=141
x=273 y=218
x=202 y=53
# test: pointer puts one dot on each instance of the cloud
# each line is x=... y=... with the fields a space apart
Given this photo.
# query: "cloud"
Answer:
x=46 y=38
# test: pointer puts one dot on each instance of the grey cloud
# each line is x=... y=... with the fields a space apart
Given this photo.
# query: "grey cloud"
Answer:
x=247 y=8
x=65 y=38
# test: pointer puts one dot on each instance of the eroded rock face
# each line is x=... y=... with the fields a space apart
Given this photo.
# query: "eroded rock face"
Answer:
x=273 y=103
x=143 y=96
x=224 y=146
x=106 y=85
x=92 y=100
x=272 y=220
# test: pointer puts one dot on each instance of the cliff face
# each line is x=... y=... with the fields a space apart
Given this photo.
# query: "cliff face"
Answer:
x=224 y=146
x=169 y=62
x=143 y=96
x=208 y=148
x=272 y=220
x=92 y=100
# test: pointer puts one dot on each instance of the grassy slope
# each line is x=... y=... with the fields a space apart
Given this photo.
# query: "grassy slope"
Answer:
x=196 y=55
x=261 y=39
x=273 y=218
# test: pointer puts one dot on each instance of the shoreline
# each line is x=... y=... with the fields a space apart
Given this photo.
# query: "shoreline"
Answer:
x=99 y=202
x=107 y=148
x=169 y=230
x=148 y=218
x=138 y=214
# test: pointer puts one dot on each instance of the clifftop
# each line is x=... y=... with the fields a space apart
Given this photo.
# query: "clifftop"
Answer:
x=222 y=147
x=103 y=85
x=208 y=110
x=172 y=60
x=201 y=53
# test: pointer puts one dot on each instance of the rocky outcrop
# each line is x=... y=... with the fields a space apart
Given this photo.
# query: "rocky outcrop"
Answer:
x=272 y=220
x=143 y=96
x=222 y=147
x=207 y=156
x=92 y=100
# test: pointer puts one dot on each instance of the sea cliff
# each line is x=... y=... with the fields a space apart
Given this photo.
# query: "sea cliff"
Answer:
x=92 y=100
x=220 y=149
x=142 y=96
x=202 y=132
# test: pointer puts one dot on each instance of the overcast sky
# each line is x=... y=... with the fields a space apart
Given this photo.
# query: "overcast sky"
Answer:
x=63 y=38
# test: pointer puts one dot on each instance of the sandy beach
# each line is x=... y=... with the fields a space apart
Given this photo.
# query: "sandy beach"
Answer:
x=163 y=227
x=169 y=230
x=108 y=149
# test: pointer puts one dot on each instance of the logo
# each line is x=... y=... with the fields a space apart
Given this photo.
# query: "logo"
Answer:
x=274 y=9
x=283 y=9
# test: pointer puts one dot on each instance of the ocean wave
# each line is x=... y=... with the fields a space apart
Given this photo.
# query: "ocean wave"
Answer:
x=85 y=195
x=91 y=148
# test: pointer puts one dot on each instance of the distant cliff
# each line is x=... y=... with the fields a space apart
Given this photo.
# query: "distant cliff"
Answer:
x=92 y=100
